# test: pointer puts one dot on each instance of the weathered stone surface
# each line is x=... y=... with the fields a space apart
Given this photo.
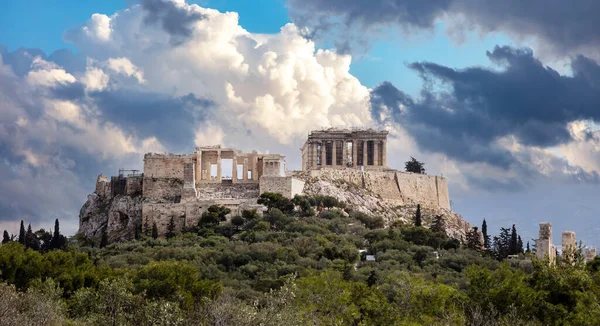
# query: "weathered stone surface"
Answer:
x=366 y=201
x=118 y=216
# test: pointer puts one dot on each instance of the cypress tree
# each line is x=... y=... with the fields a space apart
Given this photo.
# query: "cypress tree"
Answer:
x=519 y=244
x=154 y=231
x=514 y=241
x=486 y=237
x=438 y=225
x=5 y=237
x=170 y=229
x=528 y=250
x=418 y=221
x=22 y=234
x=473 y=241
x=104 y=240
x=56 y=237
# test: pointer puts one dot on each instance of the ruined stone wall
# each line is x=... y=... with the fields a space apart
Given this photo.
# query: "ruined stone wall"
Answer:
x=228 y=191
x=162 y=189
x=395 y=186
x=287 y=186
x=134 y=186
x=103 y=187
x=165 y=165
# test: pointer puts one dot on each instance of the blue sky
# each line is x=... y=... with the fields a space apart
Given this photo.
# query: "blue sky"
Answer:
x=518 y=194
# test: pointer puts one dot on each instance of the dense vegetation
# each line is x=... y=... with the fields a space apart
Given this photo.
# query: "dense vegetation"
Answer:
x=307 y=261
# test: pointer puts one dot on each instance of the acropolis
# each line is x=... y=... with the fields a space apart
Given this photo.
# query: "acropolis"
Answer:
x=182 y=186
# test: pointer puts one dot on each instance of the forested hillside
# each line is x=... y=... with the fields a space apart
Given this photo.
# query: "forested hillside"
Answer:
x=304 y=262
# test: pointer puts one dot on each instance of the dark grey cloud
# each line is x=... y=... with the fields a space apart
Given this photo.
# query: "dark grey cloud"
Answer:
x=174 y=20
x=46 y=171
x=461 y=113
x=172 y=120
x=562 y=24
x=20 y=60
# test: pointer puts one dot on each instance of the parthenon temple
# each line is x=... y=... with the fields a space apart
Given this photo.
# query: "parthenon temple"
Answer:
x=345 y=148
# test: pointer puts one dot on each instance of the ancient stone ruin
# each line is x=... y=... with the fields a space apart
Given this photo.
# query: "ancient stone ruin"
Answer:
x=348 y=164
x=546 y=250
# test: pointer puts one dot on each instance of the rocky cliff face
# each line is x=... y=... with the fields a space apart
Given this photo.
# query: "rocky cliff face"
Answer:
x=118 y=216
x=363 y=200
x=119 y=213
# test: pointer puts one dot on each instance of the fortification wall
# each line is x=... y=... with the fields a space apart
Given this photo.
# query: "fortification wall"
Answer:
x=134 y=186
x=395 y=186
x=287 y=186
x=207 y=191
x=165 y=165
x=162 y=189
x=188 y=214
x=428 y=190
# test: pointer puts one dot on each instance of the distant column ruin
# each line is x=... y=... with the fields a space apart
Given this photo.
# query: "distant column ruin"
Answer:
x=569 y=245
x=590 y=254
x=345 y=148
x=544 y=249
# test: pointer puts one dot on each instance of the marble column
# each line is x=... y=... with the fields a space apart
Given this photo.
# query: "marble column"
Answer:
x=344 y=154
x=354 y=153
x=365 y=162
x=245 y=170
x=219 y=175
x=198 y=165
x=234 y=169
x=384 y=154
x=323 y=154
x=333 y=153
x=376 y=153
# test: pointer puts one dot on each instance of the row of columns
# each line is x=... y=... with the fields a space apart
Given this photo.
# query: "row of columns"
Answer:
x=376 y=155
x=206 y=176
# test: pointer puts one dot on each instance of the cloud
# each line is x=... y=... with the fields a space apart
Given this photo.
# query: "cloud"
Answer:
x=507 y=120
x=175 y=17
x=130 y=89
x=561 y=25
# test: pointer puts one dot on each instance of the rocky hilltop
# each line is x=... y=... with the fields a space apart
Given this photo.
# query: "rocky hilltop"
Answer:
x=119 y=213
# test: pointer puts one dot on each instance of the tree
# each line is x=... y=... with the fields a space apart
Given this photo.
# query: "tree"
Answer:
x=486 y=237
x=5 y=237
x=276 y=200
x=104 y=239
x=170 y=228
x=528 y=250
x=514 y=241
x=146 y=227
x=418 y=221
x=22 y=234
x=519 y=245
x=473 y=240
x=31 y=241
x=414 y=166
x=58 y=240
x=214 y=215
x=438 y=225
x=373 y=278
x=502 y=244
x=154 y=231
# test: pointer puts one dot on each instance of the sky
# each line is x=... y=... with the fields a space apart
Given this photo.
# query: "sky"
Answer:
x=501 y=98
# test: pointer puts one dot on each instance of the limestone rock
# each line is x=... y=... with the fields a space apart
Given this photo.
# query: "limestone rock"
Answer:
x=118 y=216
x=362 y=200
